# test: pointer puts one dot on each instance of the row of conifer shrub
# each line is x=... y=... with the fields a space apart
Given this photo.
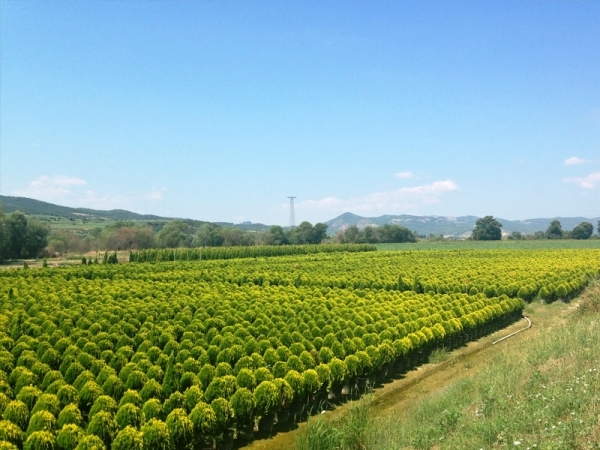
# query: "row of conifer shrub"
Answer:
x=177 y=354
x=258 y=251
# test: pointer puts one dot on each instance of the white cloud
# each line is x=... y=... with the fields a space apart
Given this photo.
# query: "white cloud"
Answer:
x=575 y=161
x=588 y=182
x=91 y=199
x=155 y=195
x=69 y=191
x=390 y=202
x=434 y=189
x=325 y=203
x=50 y=189
x=404 y=175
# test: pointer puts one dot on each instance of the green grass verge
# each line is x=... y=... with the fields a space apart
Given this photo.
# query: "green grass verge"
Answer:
x=544 y=394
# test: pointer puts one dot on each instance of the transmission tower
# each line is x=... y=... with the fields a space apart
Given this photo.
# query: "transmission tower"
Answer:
x=292 y=216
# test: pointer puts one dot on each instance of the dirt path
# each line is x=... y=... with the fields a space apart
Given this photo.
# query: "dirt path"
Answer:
x=393 y=397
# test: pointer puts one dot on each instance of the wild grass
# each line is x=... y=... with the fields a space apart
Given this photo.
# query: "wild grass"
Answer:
x=352 y=431
x=439 y=355
x=543 y=393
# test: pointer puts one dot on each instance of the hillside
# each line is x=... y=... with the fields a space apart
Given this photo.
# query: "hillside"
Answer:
x=57 y=214
x=424 y=225
x=450 y=226
x=33 y=207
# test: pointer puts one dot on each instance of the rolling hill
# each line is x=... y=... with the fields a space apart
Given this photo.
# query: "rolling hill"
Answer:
x=33 y=207
x=424 y=225
x=39 y=208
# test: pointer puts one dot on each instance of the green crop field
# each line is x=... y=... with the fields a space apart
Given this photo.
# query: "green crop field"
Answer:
x=183 y=354
x=494 y=245
x=83 y=224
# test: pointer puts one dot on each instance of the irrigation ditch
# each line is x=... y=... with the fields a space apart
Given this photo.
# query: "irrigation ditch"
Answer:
x=392 y=397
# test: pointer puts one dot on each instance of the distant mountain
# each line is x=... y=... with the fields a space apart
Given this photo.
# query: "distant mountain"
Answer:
x=449 y=226
x=424 y=225
x=33 y=207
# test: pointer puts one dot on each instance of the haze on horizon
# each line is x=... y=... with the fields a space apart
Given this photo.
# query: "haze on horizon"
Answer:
x=220 y=110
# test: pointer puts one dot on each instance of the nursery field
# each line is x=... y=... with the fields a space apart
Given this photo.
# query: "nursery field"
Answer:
x=525 y=244
x=537 y=390
x=189 y=354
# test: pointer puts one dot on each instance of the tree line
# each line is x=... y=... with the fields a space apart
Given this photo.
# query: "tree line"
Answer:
x=584 y=230
x=179 y=233
x=26 y=237
x=388 y=233
x=489 y=229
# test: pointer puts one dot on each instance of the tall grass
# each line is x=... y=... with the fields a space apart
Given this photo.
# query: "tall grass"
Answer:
x=352 y=431
x=439 y=355
x=543 y=393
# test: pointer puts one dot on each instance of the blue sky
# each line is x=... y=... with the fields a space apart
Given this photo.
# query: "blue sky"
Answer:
x=219 y=110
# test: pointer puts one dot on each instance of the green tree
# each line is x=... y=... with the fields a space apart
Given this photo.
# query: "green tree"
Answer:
x=175 y=234
x=16 y=234
x=319 y=233
x=120 y=224
x=208 y=235
x=235 y=237
x=583 y=231
x=277 y=236
x=487 y=229
x=301 y=234
x=36 y=238
x=555 y=230
x=3 y=236
x=350 y=235
x=394 y=234
x=370 y=236
x=306 y=233
x=113 y=259
x=127 y=237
